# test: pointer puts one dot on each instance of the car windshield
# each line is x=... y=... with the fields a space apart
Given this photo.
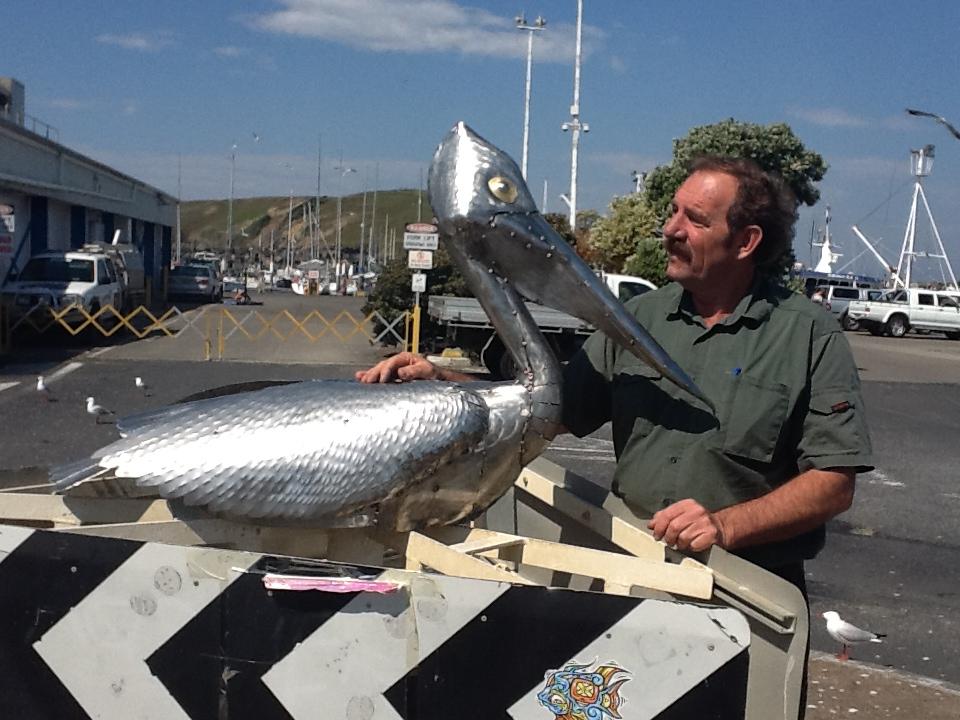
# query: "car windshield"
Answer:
x=191 y=271
x=58 y=270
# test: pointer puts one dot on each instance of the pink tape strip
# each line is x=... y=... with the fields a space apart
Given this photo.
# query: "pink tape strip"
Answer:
x=334 y=585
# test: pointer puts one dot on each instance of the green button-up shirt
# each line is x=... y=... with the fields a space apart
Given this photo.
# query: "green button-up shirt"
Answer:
x=787 y=395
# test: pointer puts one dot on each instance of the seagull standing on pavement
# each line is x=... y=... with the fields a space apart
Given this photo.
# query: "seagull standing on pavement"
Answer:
x=144 y=388
x=98 y=411
x=847 y=634
x=44 y=390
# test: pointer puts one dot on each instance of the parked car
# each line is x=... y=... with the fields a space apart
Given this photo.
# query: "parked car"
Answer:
x=82 y=278
x=836 y=299
x=199 y=280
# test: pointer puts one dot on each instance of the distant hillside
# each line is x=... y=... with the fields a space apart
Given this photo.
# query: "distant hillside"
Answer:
x=204 y=222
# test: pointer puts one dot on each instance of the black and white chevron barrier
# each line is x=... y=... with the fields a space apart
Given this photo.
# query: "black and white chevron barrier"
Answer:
x=105 y=628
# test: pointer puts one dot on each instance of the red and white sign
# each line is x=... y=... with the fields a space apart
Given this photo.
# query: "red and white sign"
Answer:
x=423 y=228
x=420 y=260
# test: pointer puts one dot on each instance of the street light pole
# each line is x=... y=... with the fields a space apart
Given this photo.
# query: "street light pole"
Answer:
x=343 y=171
x=538 y=24
x=575 y=125
x=227 y=252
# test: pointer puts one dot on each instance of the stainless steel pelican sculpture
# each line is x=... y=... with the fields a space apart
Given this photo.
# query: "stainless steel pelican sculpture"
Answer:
x=399 y=456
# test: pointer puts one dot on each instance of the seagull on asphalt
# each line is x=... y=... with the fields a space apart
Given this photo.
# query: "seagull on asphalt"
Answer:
x=847 y=634
x=144 y=388
x=98 y=411
x=44 y=390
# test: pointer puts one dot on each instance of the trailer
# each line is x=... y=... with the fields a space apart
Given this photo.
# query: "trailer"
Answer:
x=465 y=325
x=554 y=604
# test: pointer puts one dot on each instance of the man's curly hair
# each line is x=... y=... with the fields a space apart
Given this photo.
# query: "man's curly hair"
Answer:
x=763 y=199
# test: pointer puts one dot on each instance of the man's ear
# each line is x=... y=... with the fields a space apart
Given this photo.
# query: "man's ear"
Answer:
x=748 y=240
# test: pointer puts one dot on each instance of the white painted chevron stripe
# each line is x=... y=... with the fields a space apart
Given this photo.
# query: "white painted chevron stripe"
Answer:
x=353 y=658
x=10 y=538
x=680 y=645
x=99 y=649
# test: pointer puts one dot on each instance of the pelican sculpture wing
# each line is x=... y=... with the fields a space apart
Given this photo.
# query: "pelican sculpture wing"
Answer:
x=305 y=451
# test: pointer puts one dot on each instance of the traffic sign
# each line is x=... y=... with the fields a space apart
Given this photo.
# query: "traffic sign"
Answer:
x=420 y=260
x=418 y=282
x=419 y=227
x=420 y=241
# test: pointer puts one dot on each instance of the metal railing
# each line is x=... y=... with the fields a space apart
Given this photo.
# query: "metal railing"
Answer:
x=215 y=325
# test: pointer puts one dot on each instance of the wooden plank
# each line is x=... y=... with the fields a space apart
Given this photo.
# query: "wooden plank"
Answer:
x=63 y=510
x=616 y=570
x=423 y=551
x=618 y=531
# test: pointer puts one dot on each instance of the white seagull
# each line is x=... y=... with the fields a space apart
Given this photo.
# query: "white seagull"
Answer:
x=847 y=634
x=144 y=388
x=44 y=390
x=98 y=411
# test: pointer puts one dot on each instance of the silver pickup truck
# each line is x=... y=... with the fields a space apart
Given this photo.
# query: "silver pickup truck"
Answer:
x=897 y=312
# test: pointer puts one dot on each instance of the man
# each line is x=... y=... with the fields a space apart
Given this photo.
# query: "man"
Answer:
x=778 y=458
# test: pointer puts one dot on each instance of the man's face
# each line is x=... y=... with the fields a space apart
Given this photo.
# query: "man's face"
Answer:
x=697 y=239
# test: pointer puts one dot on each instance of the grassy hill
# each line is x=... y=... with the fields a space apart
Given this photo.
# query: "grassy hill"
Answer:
x=204 y=222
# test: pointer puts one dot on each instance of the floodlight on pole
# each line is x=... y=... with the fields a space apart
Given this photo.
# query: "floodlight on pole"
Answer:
x=522 y=24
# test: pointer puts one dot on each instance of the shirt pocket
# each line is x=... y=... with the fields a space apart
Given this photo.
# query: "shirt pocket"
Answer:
x=755 y=420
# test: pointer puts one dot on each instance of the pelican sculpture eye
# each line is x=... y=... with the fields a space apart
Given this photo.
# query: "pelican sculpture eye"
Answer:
x=502 y=189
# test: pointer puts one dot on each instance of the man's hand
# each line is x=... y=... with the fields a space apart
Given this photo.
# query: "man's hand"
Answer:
x=402 y=367
x=687 y=525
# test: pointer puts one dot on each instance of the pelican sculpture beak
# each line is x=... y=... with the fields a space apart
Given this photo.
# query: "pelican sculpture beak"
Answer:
x=519 y=245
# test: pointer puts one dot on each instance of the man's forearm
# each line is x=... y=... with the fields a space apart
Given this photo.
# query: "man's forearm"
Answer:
x=801 y=504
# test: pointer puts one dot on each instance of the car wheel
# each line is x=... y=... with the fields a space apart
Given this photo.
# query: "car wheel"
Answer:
x=897 y=326
x=848 y=323
x=953 y=334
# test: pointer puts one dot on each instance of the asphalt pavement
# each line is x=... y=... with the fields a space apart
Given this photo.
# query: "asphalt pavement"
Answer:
x=892 y=563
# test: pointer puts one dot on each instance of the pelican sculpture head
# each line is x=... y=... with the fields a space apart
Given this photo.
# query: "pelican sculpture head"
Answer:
x=482 y=205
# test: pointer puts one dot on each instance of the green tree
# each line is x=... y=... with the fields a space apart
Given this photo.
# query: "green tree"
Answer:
x=561 y=224
x=392 y=294
x=774 y=147
x=617 y=236
x=649 y=261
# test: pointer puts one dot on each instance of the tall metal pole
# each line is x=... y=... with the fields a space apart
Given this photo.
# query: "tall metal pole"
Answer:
x=363 y=224
x=575 y=125
x=229 y=244
x=373 y=212
x=290 y=232
x=179 y=193
x=538 y=24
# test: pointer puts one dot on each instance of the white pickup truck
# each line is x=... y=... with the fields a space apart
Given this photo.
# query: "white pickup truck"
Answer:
x=897 y=312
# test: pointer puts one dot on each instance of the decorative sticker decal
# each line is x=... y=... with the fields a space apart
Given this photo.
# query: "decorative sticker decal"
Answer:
x=576 y=693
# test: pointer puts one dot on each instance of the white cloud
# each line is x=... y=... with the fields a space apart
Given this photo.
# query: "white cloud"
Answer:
x=230 y=51
x=420 y=26
x=129 y=107
x=136 y=41
x=617 y=64
x=67 y=104
x=828 y=117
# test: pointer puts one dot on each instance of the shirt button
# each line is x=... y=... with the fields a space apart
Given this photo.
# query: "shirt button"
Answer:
x=673 y=461
x=667 y=502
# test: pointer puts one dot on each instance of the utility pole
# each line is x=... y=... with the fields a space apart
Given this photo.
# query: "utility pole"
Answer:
x=538 y=24
x=228 y=250
x=179 y=193
x=575 y=125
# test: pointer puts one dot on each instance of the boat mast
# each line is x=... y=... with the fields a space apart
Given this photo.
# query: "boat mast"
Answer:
x=921 y=163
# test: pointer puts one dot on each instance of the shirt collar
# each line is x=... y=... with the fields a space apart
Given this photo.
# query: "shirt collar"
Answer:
x=754 y=305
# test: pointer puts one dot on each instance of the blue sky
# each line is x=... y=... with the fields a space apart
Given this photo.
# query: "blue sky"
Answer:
x=139 y=85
